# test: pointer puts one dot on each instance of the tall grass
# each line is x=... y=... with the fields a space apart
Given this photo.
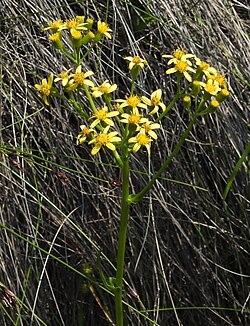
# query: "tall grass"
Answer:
x=187 y=258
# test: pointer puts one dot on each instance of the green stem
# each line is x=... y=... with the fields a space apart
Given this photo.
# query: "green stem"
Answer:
x=122 y=240
x=136 y=198
x=68 y=55
x=90 y=99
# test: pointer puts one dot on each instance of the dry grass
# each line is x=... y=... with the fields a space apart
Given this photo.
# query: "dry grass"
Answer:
x=185 y=247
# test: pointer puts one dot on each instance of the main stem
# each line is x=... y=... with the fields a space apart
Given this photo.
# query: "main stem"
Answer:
x=122 y=241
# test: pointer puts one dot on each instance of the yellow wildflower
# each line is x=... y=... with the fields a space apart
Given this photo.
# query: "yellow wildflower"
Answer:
x=103 y=29
x=102 y=115
x=64 y=77
x=140 y=140
x=205 y=67
x=134 y=118
x=56 y=25
x=178 y=55
x=132 y=101
x=45 y=88
x=211 y=86
x=136 y=62
x=79 y=79
x=75 y=24
x=84 y=133
x=149 y=127
x=104 y=139
x=154 y=101
x=182 y=67
x=104 y=88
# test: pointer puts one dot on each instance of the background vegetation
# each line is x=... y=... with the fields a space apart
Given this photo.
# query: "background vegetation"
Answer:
x=186 y=248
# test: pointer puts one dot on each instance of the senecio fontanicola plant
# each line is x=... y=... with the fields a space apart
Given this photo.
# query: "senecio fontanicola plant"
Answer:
x=126 y=126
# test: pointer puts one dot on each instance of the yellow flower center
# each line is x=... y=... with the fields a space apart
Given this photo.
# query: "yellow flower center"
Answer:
x=102 y=139
x=72 y=24
x=147 y=127
x=134 y=119
x=220 y=80
x=45 y=89
x=63 y=75
x=181 y=66
x=137 y=60
x=210 y=88
x=55 y=37
x=133 y=101
x=103 y=28
x=104 y=89
x=79 y=78
x=155 y=101
x=101 y=114
x=142 y=139
x=178 y=54
x=204 y=65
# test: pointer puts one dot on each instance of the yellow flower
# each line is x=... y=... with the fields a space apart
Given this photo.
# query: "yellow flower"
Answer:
x=134 y=118
x=182 y=67
x=56 y=38
x=136 y=62
x=64 y=77
x=104 y=88
x=74 y=24
x=84 y=133
x=140 y=140
x=104 y=139
x=154 y=101
x=178 y=55
x=56 y=25
x=219 y=79
x=103 y=115
x=211 y=86
x=103 y=29
x=133 y=101
x=79 y=79
x=148 y=128
x=205 y=68
x=45 y=88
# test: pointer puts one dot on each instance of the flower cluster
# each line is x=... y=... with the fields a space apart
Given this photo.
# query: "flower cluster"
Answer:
x=126 y=124
x=79 y=31
x=204 y=79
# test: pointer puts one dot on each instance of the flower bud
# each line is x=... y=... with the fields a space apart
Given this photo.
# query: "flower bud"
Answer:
x=186 y=102
x=222 y=95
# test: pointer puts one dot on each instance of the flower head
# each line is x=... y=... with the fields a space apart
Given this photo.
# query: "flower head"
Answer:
x=102 y=115
x=75 y=24
x=103 y=29
x=178 y=55
x=64 y=77
x=79 y=79
x=182 y=67
x=205 y=67
x=141 y=139
x=45 y=88
x=134 y=118
x=148 y=128
x=211 y=86
x=56 y=25
x=104 y=139
x=104 y=88
x=154 y=101
x=132 y=101
x=136 y=62
x=83 y=135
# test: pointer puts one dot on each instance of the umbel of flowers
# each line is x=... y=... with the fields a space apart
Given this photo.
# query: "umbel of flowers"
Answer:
x=128 y=125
